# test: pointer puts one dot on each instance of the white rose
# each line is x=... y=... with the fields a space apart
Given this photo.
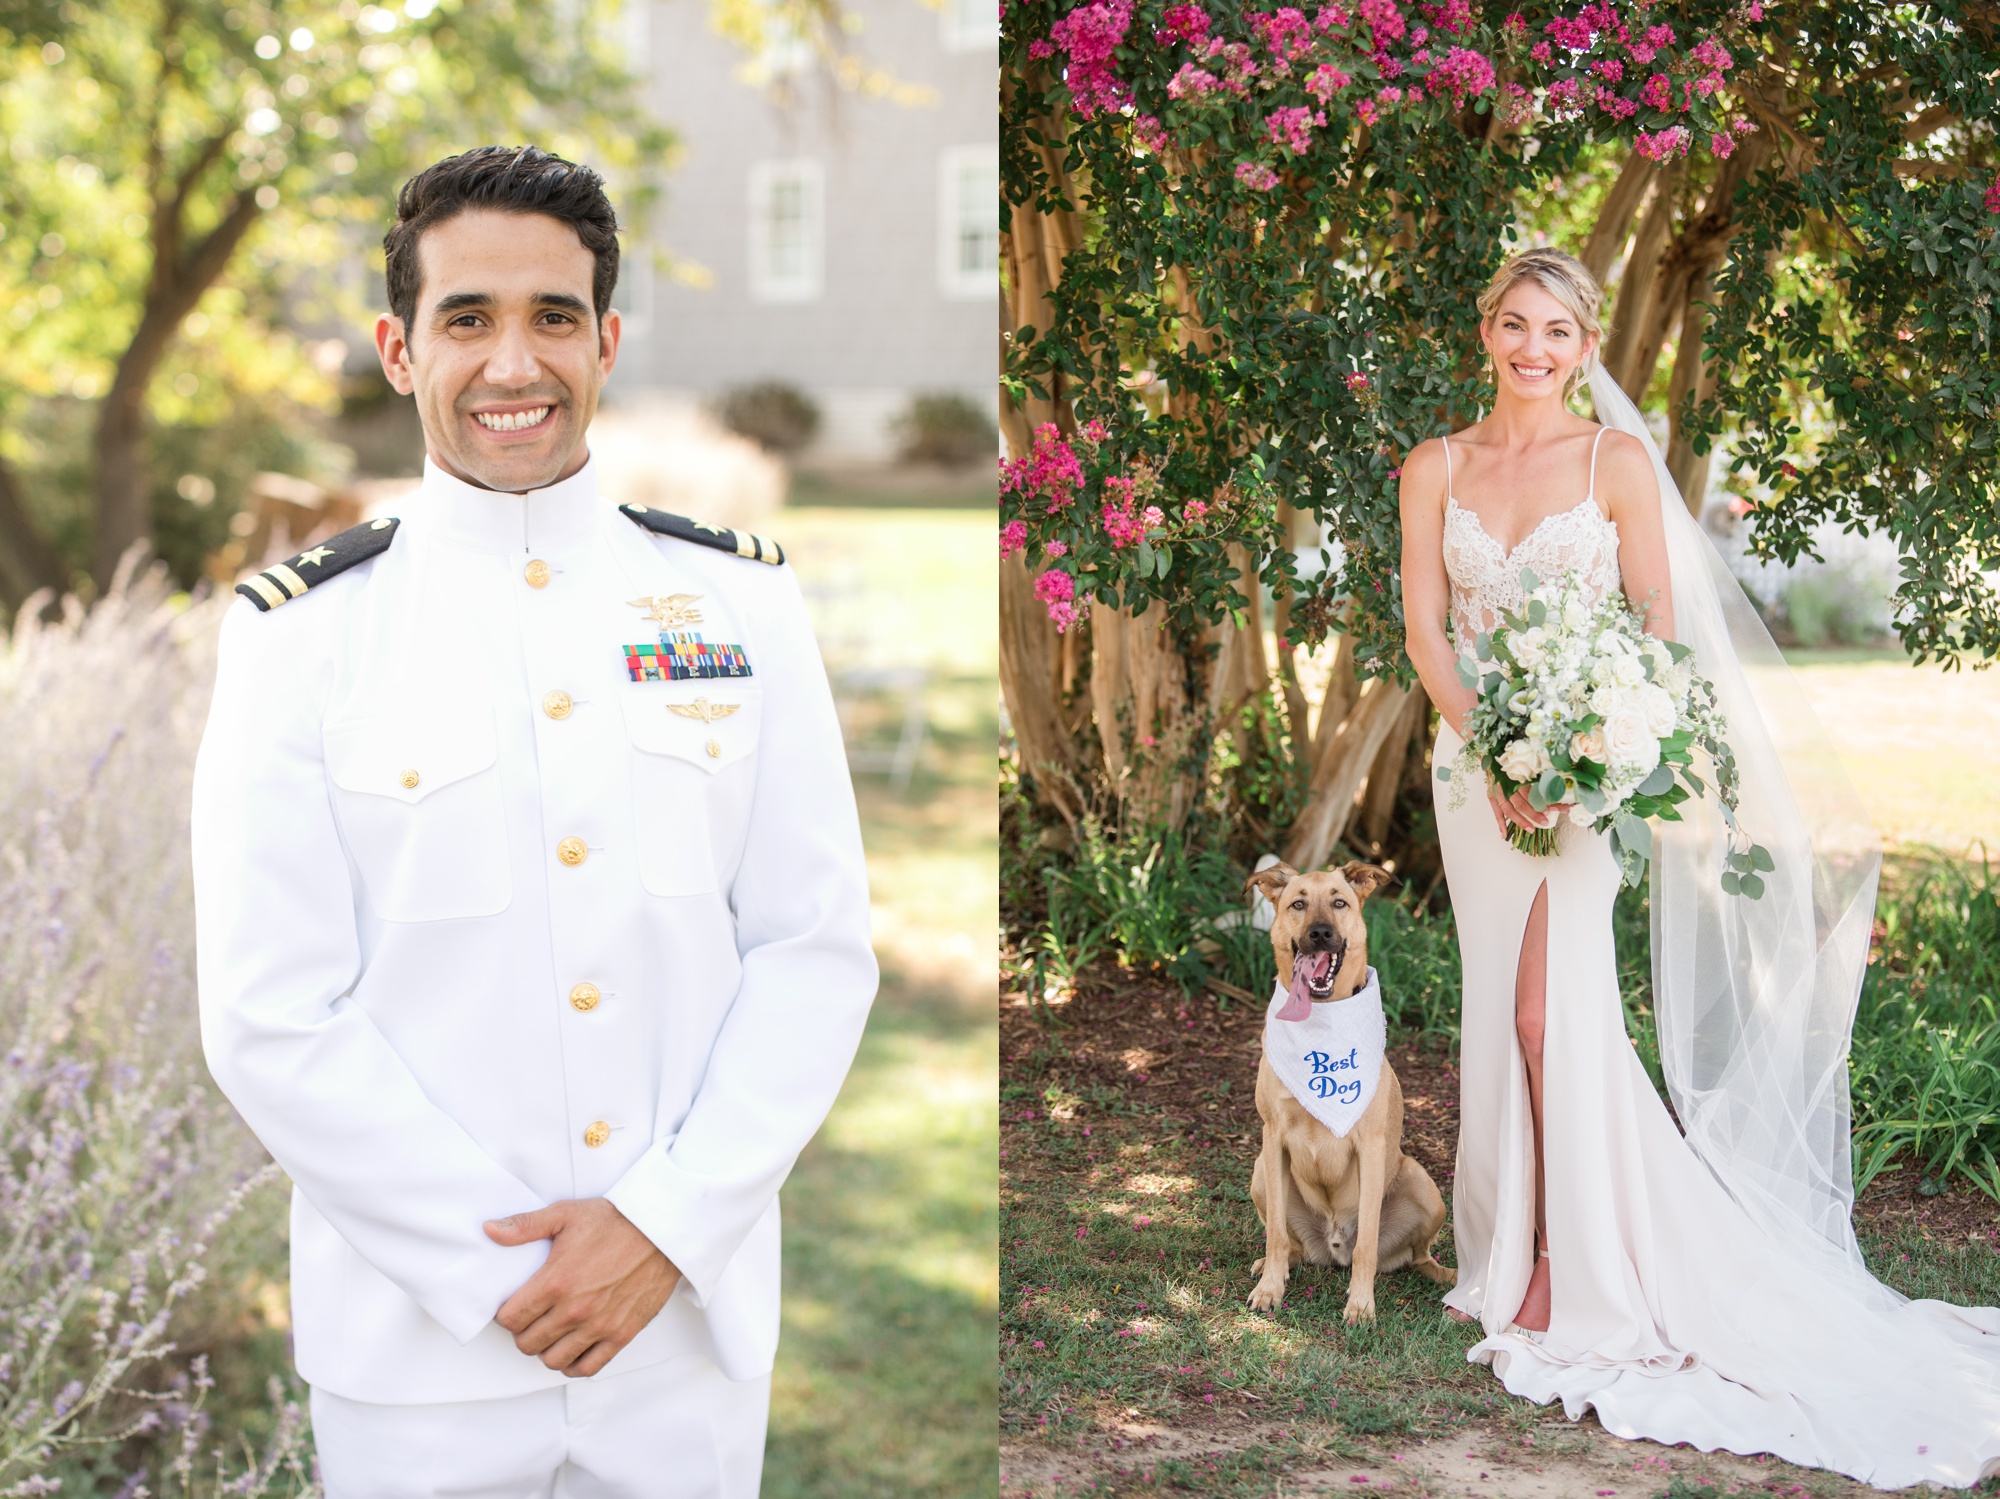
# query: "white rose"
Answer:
x=1600 y=673
x=1575 y=615
x=1679 y=679
x=1628 y=671
x=1631 y=746
x=1587 y=746
x=1522 y=761
x=1658 y=706
x=1531 y=647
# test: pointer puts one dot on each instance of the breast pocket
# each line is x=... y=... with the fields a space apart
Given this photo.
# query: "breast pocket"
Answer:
x=694 y=759
x=417 y=796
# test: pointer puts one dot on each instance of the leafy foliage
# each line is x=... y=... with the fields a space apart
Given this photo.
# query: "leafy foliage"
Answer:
x=1274 y=294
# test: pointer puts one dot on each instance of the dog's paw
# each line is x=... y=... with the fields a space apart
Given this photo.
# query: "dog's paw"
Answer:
x=1359 y=1309
x=1266 y=1296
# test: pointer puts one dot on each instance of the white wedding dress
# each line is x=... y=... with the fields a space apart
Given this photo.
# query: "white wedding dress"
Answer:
x=1686 y=1306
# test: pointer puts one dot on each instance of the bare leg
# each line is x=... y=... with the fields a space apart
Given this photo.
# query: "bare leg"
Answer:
x=1530 y=998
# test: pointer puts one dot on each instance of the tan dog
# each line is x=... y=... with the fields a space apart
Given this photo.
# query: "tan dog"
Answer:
x=1353 y=1200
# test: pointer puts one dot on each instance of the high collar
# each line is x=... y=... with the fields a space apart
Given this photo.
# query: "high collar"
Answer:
x=491 y=520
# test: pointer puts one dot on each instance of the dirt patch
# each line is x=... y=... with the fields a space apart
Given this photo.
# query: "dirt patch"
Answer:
x=1562 y=1461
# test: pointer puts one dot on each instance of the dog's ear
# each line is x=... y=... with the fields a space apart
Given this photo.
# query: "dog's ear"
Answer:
x=1270 y=883
x=1366 y=878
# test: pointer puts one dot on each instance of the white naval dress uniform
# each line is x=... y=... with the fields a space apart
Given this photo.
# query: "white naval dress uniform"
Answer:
x=484 y=924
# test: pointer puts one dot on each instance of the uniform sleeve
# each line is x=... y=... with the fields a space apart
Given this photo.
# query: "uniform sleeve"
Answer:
x=277 y=956
x=801 y=905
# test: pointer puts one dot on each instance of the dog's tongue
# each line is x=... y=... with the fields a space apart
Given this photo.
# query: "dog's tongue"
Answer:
x=1305 y=967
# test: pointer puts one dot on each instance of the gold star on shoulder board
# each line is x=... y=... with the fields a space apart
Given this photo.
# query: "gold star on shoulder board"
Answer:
x=670 y=609
x=315 y=557
x=703 y=709
x=702 y=525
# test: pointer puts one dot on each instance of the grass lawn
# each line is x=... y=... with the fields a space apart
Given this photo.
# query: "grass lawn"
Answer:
x=886 y=1374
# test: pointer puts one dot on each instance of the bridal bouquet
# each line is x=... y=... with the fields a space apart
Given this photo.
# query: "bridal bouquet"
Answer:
x=1580 y=706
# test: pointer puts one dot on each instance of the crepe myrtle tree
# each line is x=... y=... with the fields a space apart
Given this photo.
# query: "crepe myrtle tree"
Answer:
x=1241 y=253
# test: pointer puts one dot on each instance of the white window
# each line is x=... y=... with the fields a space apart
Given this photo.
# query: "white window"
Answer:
x=968 y=25
x=969 y=222
x=787 y=230
x=634 y=297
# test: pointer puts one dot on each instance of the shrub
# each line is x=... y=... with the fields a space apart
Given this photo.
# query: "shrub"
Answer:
x=779 y=417
x=1835 y=606
x=120 y=1163
x=944 y=427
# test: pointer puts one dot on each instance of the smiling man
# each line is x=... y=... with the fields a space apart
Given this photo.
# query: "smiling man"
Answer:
x=532 y=920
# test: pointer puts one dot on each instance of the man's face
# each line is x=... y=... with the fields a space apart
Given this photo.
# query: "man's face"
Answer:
x=505 y=354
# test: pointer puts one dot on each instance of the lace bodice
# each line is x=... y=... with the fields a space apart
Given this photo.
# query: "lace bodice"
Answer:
x=1486 y=578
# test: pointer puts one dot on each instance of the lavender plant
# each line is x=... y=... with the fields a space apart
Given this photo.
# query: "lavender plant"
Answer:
x=121 y=1166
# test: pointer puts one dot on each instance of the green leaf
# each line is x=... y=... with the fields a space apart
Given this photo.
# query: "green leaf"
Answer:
x=1760 y=858
x=1659 y=782
x=1732 y=883
x=1529 y=582
x=1751 y=885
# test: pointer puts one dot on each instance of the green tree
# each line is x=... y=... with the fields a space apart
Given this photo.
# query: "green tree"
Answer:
x=190 y=179
x=1242 y=251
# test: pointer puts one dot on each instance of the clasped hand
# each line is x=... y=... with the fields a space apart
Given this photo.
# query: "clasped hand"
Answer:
x=601 y=1284
x=1518 y=810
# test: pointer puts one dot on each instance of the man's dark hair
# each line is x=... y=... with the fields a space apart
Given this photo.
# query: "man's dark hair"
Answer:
x=512 y=179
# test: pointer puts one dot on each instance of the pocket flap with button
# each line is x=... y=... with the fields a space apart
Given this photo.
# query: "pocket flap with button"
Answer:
x=408 y=756
x=712 y=729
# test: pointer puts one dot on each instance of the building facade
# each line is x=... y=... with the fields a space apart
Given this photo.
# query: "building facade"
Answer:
x=843 y=240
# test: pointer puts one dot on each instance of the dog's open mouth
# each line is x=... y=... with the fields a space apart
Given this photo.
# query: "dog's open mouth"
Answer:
x=1312 y=979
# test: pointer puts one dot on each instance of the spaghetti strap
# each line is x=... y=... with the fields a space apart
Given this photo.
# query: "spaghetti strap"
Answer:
x=1593 y=465
x=1447 y=463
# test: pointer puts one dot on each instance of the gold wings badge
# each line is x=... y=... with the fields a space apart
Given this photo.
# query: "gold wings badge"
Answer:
x=670 y=610
x=703 y=709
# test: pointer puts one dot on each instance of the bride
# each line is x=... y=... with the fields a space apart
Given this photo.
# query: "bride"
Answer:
x=1694 y=1282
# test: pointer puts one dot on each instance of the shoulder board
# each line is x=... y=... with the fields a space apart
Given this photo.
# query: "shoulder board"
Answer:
x=287 y=580
x=701 y=533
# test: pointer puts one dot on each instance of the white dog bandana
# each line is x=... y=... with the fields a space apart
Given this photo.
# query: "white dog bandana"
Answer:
x=1331 y=1060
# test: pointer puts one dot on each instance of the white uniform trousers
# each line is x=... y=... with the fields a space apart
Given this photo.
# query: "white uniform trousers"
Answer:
x=674 y=1430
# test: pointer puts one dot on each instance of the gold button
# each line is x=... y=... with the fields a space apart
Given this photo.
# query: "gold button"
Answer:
x=410 y=779
x=597 y=1134
x=584 y=997
x=572 y=851
x=537 y=573
x=557 y=704
x=715 y=749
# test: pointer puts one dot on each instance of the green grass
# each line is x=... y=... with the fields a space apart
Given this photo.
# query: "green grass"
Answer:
x=887 y=1367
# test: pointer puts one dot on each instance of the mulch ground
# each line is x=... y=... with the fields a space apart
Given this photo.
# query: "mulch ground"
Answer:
x=1141 y=1038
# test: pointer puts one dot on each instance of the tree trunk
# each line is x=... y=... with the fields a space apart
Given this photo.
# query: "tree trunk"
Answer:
x=27 y=562
x=1031 y=673
x=123 y=504
x=1614 y=219
x=1689 y=468
x=1385 y=776
x=1638 y=287
x=1342 y=767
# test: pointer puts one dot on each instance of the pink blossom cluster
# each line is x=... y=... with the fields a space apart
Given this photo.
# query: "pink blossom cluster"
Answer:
x=1013 y=538
x=1357 y=381
x=1514 y=28
x=1467 y=74
x=1658 y=92
x=1287 y=35
x=1148 y=132
x=1325 y=81
x=1663 y=145
x=1453 y=17
x=1255 y=175
x=1385 y=22
x=1124 y=522
x=1057 y=590
x=1187 y=23
x=1050 y=469
x=1056 y=548
x=1192 y=82
x=1090 y=35
x=1616 y=105
x=1992 y=198
x=1292 y=127
x=1195 y=510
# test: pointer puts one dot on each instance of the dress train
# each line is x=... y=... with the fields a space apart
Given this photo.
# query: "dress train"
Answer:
x=1673 y=1314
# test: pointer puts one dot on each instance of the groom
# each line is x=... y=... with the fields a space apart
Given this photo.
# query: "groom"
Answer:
x=533 y=954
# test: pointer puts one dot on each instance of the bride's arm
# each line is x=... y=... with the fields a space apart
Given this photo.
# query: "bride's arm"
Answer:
x=1632 y=494
x=1426 y=589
